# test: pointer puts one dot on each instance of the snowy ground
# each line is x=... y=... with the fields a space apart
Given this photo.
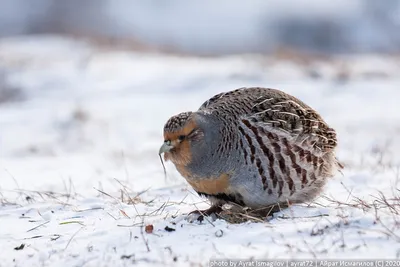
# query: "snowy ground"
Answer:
x=80 y=174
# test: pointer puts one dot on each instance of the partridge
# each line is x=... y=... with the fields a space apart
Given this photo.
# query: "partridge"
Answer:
x=255 y=147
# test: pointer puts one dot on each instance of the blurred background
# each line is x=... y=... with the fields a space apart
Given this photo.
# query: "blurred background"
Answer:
x=87 y=85
x=216 y=27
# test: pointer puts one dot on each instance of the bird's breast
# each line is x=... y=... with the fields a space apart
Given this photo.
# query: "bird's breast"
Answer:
x=209 y=185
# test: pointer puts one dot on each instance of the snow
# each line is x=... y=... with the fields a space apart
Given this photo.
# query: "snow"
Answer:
x=80 y=173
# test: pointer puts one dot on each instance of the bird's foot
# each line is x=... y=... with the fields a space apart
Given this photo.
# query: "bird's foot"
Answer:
x=198 y=215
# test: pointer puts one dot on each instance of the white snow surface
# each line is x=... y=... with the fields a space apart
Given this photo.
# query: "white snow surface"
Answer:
x=80 y=173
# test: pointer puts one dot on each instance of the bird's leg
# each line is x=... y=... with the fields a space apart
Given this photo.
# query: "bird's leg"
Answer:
x=198 y=215
x=207 y=212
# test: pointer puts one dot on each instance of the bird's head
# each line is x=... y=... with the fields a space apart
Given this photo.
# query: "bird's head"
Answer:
x=182 y=136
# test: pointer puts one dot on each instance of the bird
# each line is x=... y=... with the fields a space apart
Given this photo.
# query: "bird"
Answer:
x=255 y=147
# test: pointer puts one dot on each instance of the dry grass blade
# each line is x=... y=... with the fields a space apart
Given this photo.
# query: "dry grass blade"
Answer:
x=303 y=217
x=124 y=213
x=132 y=225
x=144 y=239
x=72 y=237
x=235 y=217
x=104 y=193
x=160 y=209
x=90 y=209
x=72 y=222
x=33 y=237
x=204 y=216
x=40 y=225
x=393 y=204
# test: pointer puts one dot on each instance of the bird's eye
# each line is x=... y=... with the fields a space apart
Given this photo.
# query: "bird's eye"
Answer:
x=181 y=137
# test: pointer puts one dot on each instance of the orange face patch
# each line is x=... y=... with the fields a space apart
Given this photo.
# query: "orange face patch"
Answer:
x=180 y=155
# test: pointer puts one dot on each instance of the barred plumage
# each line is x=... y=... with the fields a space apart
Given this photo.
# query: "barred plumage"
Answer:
x=253 y=146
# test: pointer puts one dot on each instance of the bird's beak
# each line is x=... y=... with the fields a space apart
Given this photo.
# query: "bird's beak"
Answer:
x=165 y=148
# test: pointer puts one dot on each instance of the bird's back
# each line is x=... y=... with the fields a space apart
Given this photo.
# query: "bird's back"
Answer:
x=276 y=111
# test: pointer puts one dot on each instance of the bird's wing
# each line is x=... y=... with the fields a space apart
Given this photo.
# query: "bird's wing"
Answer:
x=275 y=111
x=289 y=116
